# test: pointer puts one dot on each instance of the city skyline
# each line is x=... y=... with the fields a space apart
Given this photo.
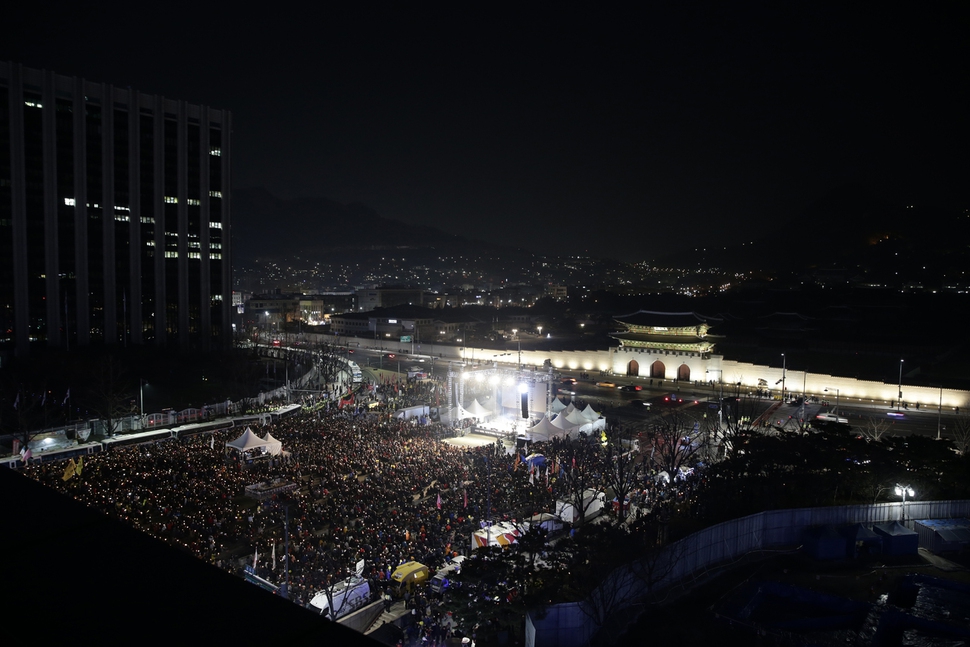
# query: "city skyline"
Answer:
x=617 y=135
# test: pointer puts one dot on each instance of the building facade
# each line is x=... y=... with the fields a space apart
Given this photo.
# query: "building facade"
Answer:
x=665 y=345
x=114 y=216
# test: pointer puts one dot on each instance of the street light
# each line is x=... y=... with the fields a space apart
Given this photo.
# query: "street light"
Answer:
x=939 y=415
x=903 y=490
x=141 y=398
x=900 y=398
x=784 y=369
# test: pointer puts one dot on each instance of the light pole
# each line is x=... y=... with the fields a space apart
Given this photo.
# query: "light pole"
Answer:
x=141 y=400
x=784 y=369
x=939 y=415
x=903 y=490
x=900 y=398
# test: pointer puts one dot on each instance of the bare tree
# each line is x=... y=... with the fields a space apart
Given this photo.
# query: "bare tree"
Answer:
x=110 y=394
x=622 y=469
x=675 y=440
x=875 y=428
x=577 y=466
x=961 y=434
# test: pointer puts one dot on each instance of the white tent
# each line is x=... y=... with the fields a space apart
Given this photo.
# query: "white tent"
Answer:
x=453 y=415
x=544 y=430
x=557 y=405
x=589 y=414
x=576 y=418
x=273 y=446
x=248 y=441
x=562 y=422
x=478 y=411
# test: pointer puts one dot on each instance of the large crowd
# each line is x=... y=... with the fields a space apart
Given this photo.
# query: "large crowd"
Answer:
x=372 y=488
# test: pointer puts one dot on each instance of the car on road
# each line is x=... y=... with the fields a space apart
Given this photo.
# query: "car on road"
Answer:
x=568 y=380
x=673 y=398
x=630 y=387
x=827 y=416
x=609 y=385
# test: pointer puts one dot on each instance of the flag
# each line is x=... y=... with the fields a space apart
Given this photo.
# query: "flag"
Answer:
x=212 y=442
x=80 y=464
x=532 y=478
x=465 y=494
x=69 y=470
x=547 y=475
x=439 y=501
x=255 y=557
x=66 y=397
x=273 y=558
x=515 y=466
x=25 y=453
x=43 y=399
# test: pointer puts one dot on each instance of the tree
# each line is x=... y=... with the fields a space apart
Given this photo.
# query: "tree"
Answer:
x=961 y=434
x=110 y=393
x=875 y=428
x=623 y=470
x=675 y=441
x=578 y=473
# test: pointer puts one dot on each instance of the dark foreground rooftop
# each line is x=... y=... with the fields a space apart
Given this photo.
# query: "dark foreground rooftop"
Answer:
x=67 y=569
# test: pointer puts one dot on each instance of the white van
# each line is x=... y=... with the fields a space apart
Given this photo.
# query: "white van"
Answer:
x=441 y=580
x=348 y=595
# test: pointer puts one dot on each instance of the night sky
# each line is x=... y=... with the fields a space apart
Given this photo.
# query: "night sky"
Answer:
x=604 y=131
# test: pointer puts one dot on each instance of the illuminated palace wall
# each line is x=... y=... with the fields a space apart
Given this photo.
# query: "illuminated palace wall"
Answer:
x=695 y=367
x=682 y=366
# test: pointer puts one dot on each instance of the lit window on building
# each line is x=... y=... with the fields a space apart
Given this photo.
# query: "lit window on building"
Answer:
x=193 y=202
x=217 y=152
x=70 y=202
x=169 y=199
x=215 y=194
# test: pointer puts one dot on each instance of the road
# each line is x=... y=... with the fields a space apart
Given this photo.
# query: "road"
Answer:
x=695 y=400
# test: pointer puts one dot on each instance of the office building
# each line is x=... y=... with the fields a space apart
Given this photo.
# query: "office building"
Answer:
x=114 y=216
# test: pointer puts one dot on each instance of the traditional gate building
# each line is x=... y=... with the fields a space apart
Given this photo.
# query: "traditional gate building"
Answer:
x=666 y=346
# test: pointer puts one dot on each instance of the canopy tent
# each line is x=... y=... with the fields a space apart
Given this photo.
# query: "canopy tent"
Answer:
x=273 y=446
x=544 y=430
x=477 y=410
x=589 y=414
x=249 y=441
x=562 y=422
x=576 y=418
x=453 y=415
x=581 y=423
x=557 y=405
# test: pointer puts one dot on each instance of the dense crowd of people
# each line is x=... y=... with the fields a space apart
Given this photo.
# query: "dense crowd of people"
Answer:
x=376 y=489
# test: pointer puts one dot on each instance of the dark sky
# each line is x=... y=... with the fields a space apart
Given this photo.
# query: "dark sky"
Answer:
x=609 y=131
